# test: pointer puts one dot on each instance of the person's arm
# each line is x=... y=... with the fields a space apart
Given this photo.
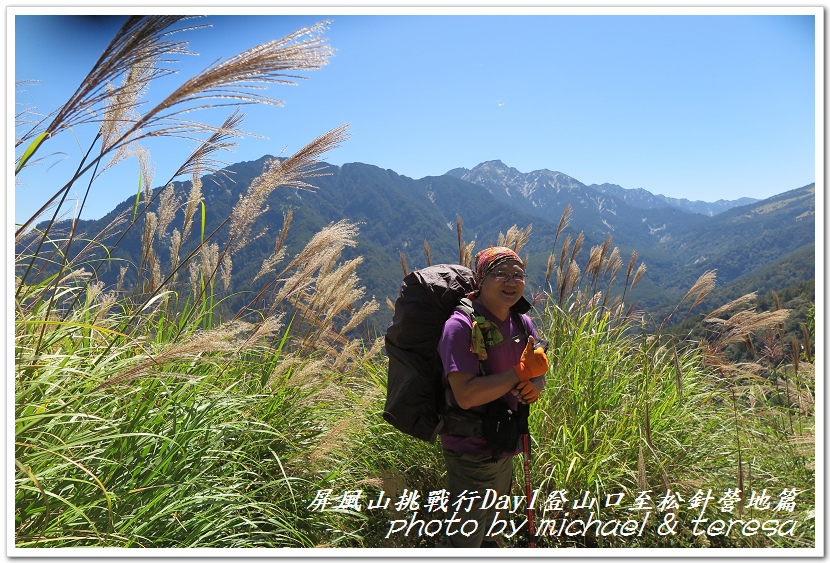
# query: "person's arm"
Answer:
x=472 y=390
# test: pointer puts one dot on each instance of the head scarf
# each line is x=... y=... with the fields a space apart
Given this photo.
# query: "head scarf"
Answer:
x=486 y=333
x=487 y=260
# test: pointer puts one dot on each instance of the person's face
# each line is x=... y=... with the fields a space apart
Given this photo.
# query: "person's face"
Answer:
x=501 y=288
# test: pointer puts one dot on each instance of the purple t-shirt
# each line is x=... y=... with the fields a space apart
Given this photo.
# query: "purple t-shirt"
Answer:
x=454 y=348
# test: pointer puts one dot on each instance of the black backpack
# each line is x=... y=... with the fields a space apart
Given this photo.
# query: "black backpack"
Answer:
x=415 y=396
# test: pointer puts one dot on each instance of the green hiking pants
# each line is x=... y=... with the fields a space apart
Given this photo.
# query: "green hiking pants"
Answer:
x=471 y=475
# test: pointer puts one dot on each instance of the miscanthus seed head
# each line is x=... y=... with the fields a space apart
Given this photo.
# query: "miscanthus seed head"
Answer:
x=168 y=205
x=193 y=200
x=175 y=247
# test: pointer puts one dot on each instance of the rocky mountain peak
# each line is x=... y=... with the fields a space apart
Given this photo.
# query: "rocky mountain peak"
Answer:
x=534 y=187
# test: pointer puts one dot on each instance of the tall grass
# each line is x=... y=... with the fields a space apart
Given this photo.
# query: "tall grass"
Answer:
x=143 y=417
x=627 y=410
x=153 y=444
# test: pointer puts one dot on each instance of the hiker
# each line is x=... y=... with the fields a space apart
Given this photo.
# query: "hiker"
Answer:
x=487 y=367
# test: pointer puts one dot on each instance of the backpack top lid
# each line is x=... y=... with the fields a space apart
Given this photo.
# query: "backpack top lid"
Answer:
x=425 y=301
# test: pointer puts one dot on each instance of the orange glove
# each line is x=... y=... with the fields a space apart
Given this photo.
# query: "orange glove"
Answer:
x=527 y=391
x=533 y=362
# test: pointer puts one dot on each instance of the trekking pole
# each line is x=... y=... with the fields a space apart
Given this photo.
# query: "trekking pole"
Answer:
x=524 y=415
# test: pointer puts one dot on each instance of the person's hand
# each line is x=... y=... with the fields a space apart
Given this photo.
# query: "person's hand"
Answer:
x=533 y=363
x=526 y=392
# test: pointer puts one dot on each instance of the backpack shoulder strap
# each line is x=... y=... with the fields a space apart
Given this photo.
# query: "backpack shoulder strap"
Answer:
x=466 y=306
x=522 y=320
x=519 y=320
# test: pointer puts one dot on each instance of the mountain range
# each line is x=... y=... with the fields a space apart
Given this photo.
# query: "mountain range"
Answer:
x=678 y=240
x=499 y=178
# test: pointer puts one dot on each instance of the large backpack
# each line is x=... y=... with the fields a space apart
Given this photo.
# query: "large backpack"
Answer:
x=415 y=396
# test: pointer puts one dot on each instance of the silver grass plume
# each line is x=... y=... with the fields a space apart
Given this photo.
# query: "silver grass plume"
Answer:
x=580 y=238
x=630 y=269
x=209 y=254
x=563 y=222
x=322 y=248
x=606 y=247
x=225 y=271
x=403 y=263
x=521 y=239
x=339 y=235
x=289 y=172
x=193 y=201
x=112 y=227
x=468 y=254
x=331 y=280
x=79 y=275
x=639 y=274
x=594 y=261
x=93 y=291
x=268 y=63
x=105 y=303
x=569 y=279
x=701 y=288
x=267 y=327
x=200 y=162
x=375 y=349
x=744 y=299
x=220 y=339
x=147 y=171
x=149 y=233
x=121 y=110
x=614 y=262
x=175 y=247
x=155 y=272
x=347 y=353
x=193 y=270
x=515 y=238
x=119 y=286
x=365 y=310
x=287 y=216
x=742 y=323
x=270 y=263
x=168 y=205
x=236 y=81
x=563 y=258
x=279 y=252
x=139 y=42
x=549 y=269
x=342 y=300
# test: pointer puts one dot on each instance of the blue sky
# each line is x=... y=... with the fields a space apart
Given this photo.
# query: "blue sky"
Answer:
x=696 y=106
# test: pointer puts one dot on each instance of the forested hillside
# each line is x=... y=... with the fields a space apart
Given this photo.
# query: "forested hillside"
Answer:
x=765 y=243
